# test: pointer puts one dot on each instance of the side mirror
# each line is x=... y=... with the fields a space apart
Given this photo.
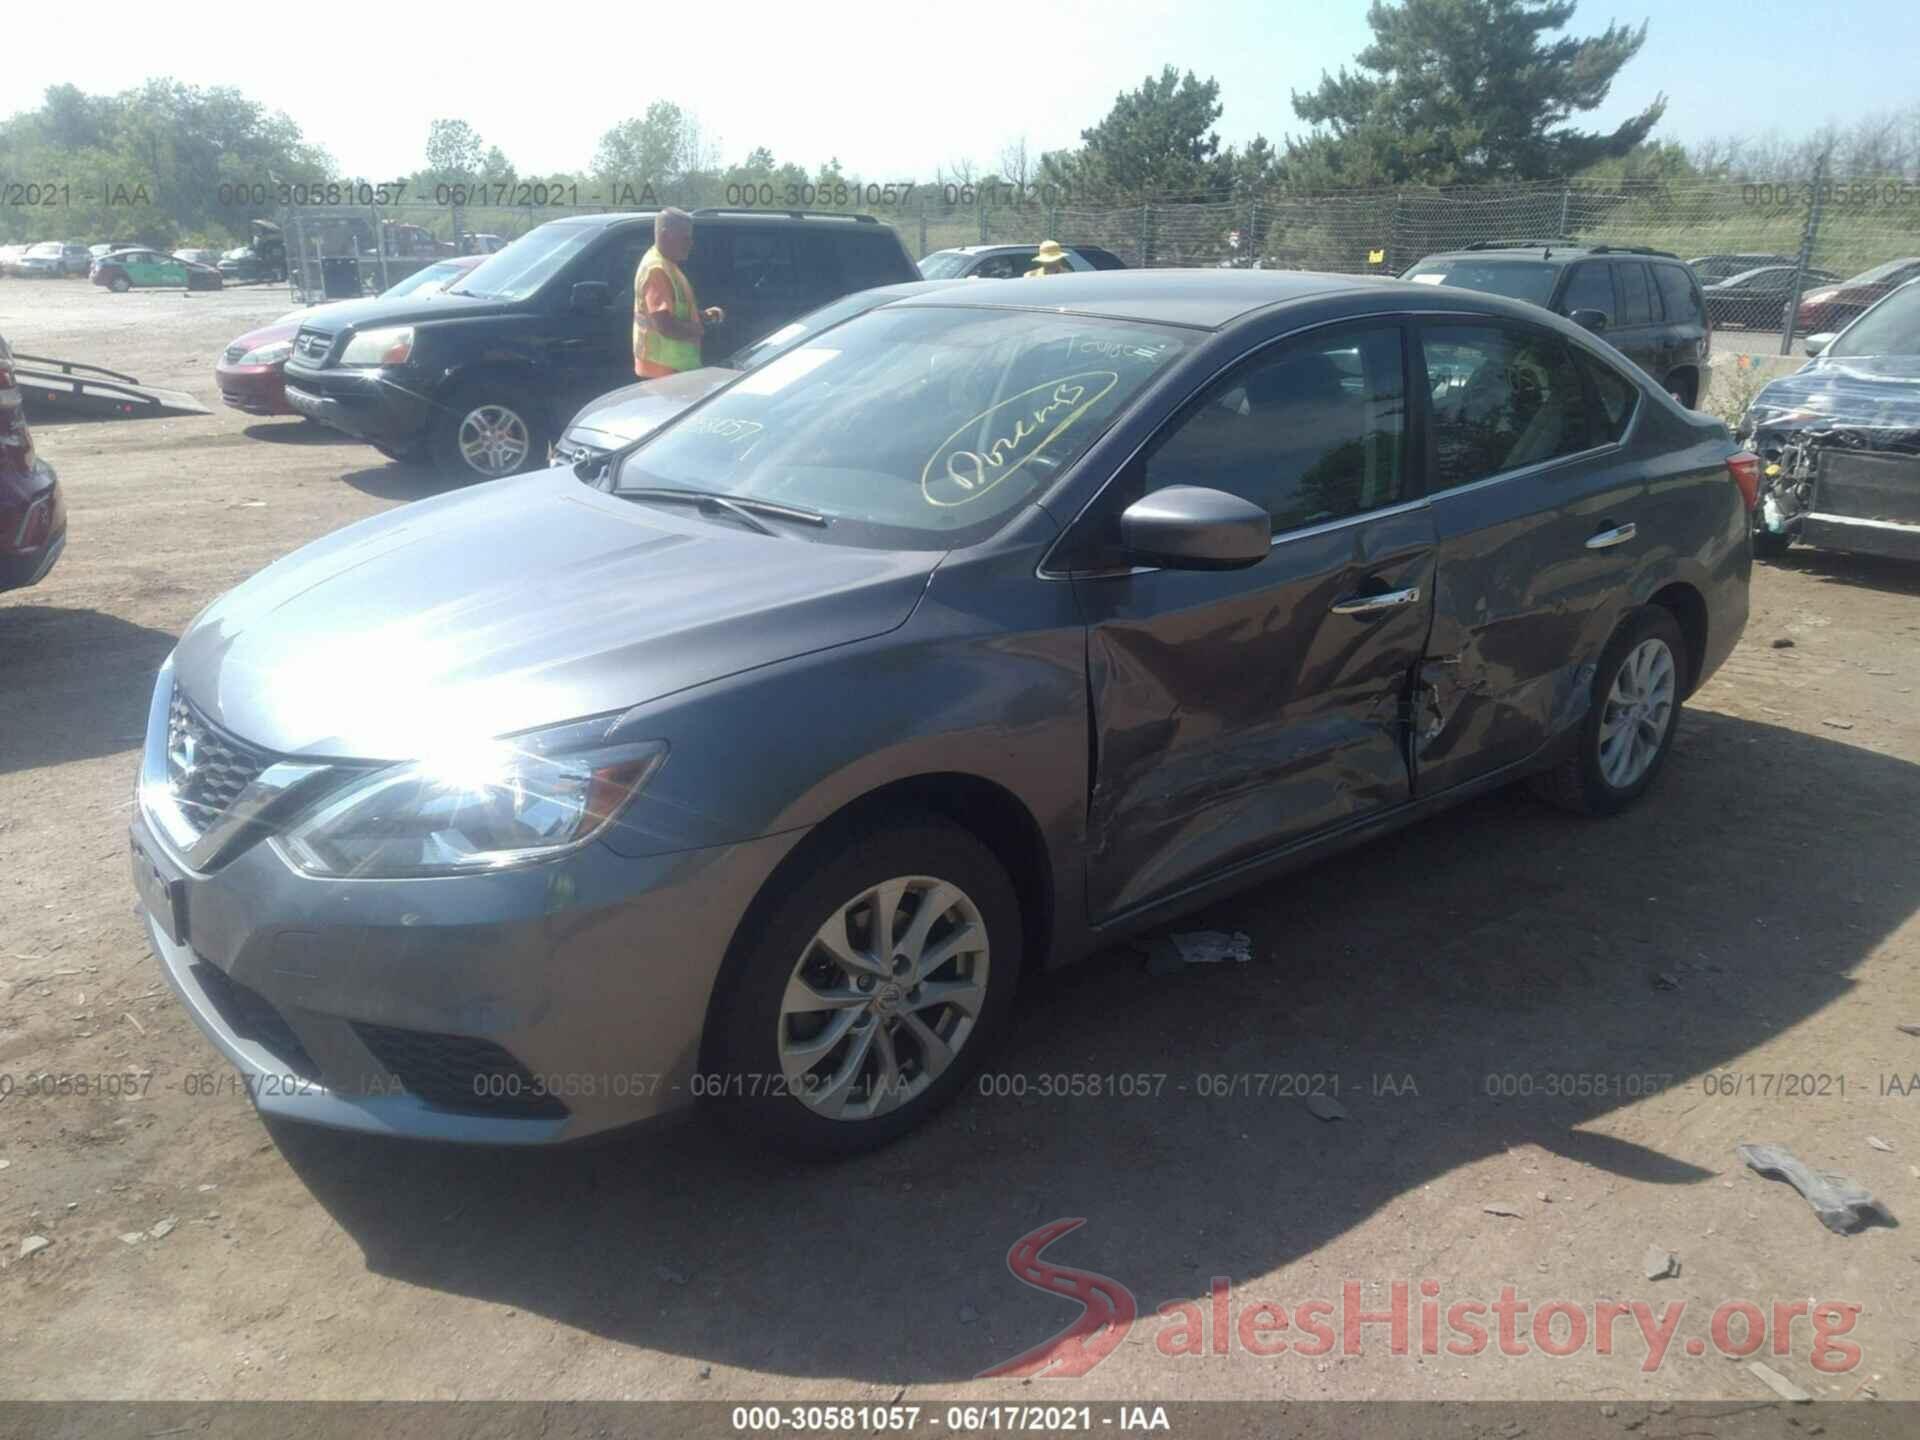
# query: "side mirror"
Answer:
x=1816 y=344
x=1188 y=527
x=1594 y=320
x=590 y=297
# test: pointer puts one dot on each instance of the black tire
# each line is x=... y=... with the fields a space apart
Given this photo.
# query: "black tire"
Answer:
x=451 y=420
x=119 y=284
x=776 y=947
x=1580 y=782
x=1684 y=389
x=1769 y=546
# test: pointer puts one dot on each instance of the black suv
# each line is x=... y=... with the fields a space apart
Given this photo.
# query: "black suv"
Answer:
x=1644 y=303
x=479 y=376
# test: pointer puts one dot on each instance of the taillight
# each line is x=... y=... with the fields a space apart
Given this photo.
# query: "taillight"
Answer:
x=1745 y=469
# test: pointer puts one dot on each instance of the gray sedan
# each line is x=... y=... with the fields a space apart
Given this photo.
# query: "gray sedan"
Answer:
x=757 y=761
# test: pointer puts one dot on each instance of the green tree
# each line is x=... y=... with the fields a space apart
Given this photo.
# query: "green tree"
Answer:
x=1157 y=140
x=1467 y=90
x=645 y=149
x=454 y=150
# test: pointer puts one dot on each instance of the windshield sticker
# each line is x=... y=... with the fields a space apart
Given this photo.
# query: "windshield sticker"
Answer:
x=785 y=333
x=776 y=375
x=1009 y=435
x=1428 y=279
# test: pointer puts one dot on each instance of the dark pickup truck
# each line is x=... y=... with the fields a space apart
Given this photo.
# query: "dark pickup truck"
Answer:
x=480 y=376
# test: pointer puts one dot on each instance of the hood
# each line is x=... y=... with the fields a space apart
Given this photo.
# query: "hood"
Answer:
x=626 y=414
x=285 y=328
x=404 y=310
x=516 y=604
x=1879 y=392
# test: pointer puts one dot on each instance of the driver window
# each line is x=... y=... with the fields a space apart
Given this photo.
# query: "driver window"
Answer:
x=1311 y=430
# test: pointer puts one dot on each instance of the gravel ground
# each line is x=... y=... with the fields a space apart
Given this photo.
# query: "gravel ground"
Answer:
x=1754 y=919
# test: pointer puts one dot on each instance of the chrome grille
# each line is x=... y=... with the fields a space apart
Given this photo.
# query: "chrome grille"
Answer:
x=207 y=769
x=312 y=345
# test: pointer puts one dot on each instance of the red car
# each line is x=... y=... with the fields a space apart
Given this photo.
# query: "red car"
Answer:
x=251 y=373
x=33 y=517
x=1834 y=307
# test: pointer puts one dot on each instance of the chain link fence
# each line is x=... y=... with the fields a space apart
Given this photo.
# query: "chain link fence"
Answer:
x=1782 y=244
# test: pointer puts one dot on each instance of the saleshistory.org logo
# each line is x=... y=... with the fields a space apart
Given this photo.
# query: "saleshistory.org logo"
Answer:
x=1224 y=1322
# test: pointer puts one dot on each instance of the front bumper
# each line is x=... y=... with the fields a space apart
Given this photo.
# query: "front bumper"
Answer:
x=256 y=389
x=524 y=1006
x=368 y=404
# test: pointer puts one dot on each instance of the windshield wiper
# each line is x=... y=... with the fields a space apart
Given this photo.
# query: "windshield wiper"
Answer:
x=746 y=507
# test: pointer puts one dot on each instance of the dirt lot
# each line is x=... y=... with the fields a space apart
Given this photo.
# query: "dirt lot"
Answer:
x=1755 y=918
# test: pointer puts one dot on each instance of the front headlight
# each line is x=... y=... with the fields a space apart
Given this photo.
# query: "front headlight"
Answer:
x=389 y=346
x=268 y=354
x=483 y=806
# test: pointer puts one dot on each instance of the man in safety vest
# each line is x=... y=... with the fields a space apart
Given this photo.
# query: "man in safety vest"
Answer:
x=668 y=323
x=1049 y=259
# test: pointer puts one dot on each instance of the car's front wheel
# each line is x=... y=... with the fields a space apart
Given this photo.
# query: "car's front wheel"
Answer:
x=1630 y=724
x=119 y=284
x=486 y=434
x=867 y=990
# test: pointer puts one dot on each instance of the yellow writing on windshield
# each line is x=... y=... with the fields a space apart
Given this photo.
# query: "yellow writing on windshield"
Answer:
x=1001 y=439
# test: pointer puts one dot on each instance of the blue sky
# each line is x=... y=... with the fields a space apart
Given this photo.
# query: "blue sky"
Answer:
x=894 y=88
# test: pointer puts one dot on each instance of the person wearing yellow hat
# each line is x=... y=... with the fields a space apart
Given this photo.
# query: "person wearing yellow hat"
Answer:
x=1049 y=259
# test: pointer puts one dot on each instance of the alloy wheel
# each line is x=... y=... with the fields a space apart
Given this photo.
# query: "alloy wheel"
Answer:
x=1639 y=710
x=883 y=997
x=493 y=440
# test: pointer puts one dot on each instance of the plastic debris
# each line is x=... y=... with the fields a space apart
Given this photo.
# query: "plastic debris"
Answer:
x=1833 y=724
x=1780 y=1384
x=1842 y=1205
x=1326 y=1107
x=1908 y=1029
x=1210 y=947
x=33 y=1245
x=133 y=1237
x=1500 y=1207
x=163 y=1229
x=1661 y=1264
x=1877 y=1143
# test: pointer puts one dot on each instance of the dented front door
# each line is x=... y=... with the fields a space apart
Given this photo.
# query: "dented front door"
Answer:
x=1235 y=713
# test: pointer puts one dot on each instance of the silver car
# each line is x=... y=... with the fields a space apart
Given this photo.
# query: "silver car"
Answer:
x=757 y=761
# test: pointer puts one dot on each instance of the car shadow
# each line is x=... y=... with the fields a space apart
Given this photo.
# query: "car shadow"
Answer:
x=1500 y=940
x=76 y=683
x=396 y=481
x=1842 y=567
x=294 y=431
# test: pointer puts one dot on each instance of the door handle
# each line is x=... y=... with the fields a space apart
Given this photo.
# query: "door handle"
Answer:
x=1377 y=604
x=1618 y=535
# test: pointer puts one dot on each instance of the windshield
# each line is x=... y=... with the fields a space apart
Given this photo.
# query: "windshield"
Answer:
x=911 y=428
x=944 y=264
x=48 y=247
x=528 y=263
x=1517 y=279
x=1890 y=328
x=773 y=346
x=431 y=277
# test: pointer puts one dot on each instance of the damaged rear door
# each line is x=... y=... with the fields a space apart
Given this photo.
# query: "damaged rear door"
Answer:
x=1235 y=712
x=1539 y=512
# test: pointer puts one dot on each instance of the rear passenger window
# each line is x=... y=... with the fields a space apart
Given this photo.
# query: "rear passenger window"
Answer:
x=1502 y=399
x=1591 y=288
x=1630 y=279
x=1676 y=289
x=872 y=257
x=1311 y=432
x=1615 y=395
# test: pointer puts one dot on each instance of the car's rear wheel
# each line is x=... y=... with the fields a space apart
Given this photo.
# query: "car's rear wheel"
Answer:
x=487 y=434
x=868 y=990
x=1631 y=722
x=119 y=284
x=1684 y=389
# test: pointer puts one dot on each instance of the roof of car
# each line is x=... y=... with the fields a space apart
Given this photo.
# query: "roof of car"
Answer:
x=1548 y=250
x=706 y=214
x=1207 y=299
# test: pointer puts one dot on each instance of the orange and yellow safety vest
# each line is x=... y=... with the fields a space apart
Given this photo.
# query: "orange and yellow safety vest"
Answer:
x=655 y=354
